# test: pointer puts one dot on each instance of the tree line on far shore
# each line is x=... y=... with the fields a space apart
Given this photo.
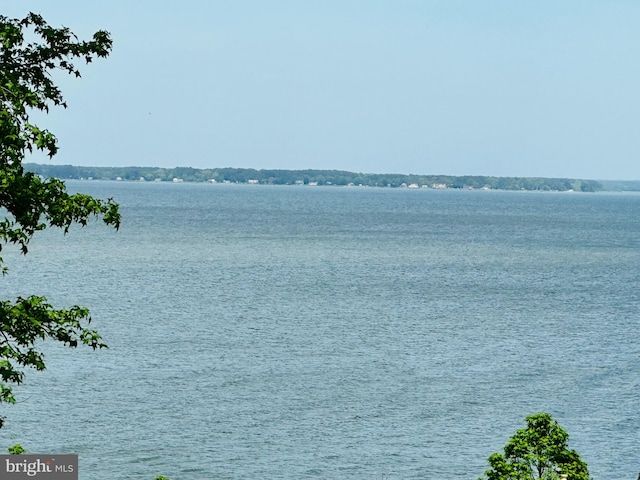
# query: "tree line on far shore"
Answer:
x=311 y=177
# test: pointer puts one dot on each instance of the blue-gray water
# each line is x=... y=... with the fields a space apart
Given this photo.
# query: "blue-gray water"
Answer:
x=336 y=333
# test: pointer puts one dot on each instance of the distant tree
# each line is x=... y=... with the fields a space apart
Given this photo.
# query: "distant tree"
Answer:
x=539 y=451
x=28 y=203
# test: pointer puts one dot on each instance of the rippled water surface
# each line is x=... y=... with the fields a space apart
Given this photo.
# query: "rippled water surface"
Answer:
x=328 y=333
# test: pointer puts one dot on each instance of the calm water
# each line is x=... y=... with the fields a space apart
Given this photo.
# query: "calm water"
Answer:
x=335 y=333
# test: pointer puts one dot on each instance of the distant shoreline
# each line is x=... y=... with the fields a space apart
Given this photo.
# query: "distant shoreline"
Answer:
x=326 y=178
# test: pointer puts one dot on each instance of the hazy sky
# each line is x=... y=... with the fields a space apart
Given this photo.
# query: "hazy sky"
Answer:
x=510 y=88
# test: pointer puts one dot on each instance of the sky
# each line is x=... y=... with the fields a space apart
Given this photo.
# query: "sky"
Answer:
x=541 y=88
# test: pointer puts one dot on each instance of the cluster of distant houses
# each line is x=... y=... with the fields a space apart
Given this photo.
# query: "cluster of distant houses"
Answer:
x=438 y=186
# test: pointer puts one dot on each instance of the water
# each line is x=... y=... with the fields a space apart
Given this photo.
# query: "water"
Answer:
x=336 y=333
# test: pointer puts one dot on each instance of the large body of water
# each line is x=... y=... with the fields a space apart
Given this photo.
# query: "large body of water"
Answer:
x=336 y=333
